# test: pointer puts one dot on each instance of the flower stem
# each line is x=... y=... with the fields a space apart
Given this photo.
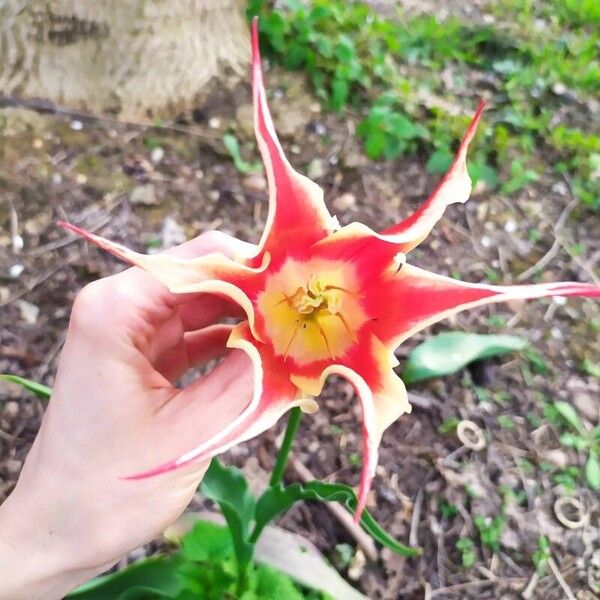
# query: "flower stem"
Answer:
x=290 y=433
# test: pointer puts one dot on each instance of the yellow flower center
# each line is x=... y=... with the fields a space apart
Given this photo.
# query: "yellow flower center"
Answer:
x=312 y=309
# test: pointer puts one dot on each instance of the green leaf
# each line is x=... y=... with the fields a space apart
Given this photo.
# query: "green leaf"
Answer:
x=233 y=147
x=439 y=161
x=274 y=585
x=339 y=93
x=277 y=499
x=375 y=144
x=569 y=414
x=207 y=541
x=592 y=471
x=451 y=351
x=228 y=487
x=146 y=580
x=41 y=391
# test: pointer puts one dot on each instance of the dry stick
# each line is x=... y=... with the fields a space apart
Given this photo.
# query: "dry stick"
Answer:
x=528 y=591
x=540 y=264
x=561 y=581
x=341 y=514
x=416 y=517
x=476 y=583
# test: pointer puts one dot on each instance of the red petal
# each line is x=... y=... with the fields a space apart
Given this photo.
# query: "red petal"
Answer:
x=375 y=251
x=413 y=298
x=273 y=395
x=213 y=273
x=368 y=367
x=455 y=186
x=297 y=215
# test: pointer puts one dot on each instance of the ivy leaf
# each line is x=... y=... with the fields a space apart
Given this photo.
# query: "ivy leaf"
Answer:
x=592 y=472
x=41 y=391
x=569 y=414
x=233 y=147
x=449 y=352
x=277 y=499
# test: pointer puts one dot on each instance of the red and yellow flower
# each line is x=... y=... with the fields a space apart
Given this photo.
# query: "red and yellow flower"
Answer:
x=322 y=300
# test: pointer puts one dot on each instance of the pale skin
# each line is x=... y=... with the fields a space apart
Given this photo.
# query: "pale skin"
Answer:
x=115 y=412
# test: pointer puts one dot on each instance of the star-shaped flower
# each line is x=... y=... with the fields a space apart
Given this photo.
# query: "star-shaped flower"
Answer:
x=322 y=300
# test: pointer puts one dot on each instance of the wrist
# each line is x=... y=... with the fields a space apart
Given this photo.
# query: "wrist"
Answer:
x=36 y=562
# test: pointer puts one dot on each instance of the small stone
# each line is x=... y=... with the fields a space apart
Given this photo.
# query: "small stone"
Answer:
x=255 y=183
x=214 y=195
x=320 y=129
x=560 y=300
x=486 y=242
x=557 y=457
x=11 y=409
x=76 y=125
x=143 y=194
x=316 y=169
x=157 y=155
x=14 y=272
x=81 y=179
x=510 y=226
x=587 y=406
x=357 y=566
x=56 y=178
x=560 y=188
x=345 y=202
x=13 y=466
x=214 y=123
x=17 y=243
x=37 y=143
x=295 y=149
x=172 y=233
x=28 y=312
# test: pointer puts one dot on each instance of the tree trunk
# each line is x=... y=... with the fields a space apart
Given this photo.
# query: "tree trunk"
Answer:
x=139 y=58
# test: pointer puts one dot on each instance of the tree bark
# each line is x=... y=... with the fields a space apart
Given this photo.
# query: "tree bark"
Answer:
x=138 y=58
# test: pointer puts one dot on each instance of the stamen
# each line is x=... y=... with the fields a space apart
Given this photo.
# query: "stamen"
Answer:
x=325 y=340
x=350 y=331
x=287 y=349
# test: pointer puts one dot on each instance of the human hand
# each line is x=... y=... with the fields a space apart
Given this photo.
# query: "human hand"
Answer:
x=115 y=412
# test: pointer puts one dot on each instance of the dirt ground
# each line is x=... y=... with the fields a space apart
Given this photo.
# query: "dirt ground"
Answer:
x=152 y=188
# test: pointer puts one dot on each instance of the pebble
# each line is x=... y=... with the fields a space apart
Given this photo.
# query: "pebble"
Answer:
x=29 y=312
x=344 y=202
x=316 y=169
x=214 y=123
x=13 y=466
x=157 y=155
x=172 y=233
x=560 y=300
x=76 y=125
x=255 y=183
x=14 y=272
x=143 y=194
x=510 y=226
x=56 y=178
x=11 y=409
x=81 y=179
x=17 y=243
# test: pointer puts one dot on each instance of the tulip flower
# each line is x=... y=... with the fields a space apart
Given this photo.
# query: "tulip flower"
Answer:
x=322 y=300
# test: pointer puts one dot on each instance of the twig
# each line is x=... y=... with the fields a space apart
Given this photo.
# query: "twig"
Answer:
x=560 y=223
x=416 y=517
x=32 y=285
x=468 y=584
x=528 y=591
x=45 y=107
x=561 y=581
x=341 y=514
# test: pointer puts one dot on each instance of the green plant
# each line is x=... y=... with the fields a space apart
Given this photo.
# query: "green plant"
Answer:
x=542 y=555
x=490 y=529
x=383 y=67
x=451 y=351
x=576 y=436
x=467 y=550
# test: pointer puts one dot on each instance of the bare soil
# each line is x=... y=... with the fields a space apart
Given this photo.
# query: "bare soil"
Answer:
x=150 y=187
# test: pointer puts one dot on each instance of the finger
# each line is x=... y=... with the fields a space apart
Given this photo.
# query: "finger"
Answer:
x=202 y=409
x=204 y=310
x=194 y=350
